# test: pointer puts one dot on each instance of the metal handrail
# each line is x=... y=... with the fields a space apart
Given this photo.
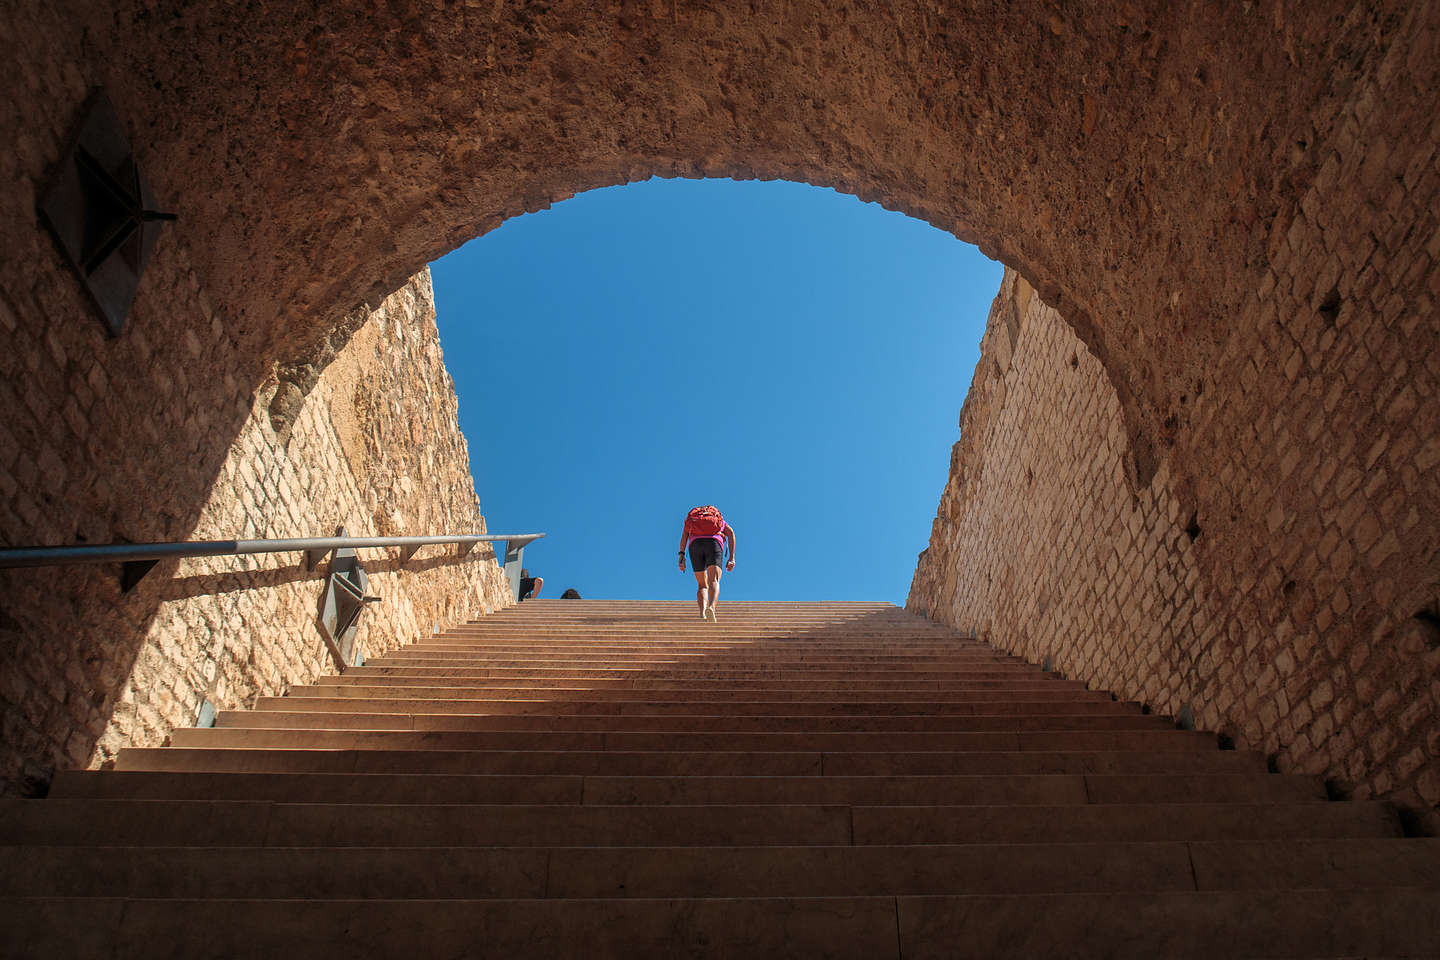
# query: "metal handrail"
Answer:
x=314 y=547
x=139 y=558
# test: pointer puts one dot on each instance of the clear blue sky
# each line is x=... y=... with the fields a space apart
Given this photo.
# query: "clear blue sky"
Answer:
x=786 y=352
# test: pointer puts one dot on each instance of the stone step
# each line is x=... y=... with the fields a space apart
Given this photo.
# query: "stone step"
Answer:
x=703 y=660
x=1289 y=923
x=966 y=717
x=1256 y=788
x=692 y=629
x=1035 y=681
x=613 y=790
x=942 y=700
x=706 y=638
x=278 y=720
x=640 y=872
x=663 y=668
x=60 y=822
x=637 y=740
x=683 y=660
x=660 y=677
x=707 y=642
x=1386 y=922
x=682 y=763
x=688 y=615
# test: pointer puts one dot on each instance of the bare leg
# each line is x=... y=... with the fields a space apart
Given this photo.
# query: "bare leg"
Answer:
x=535 y=594
x=712 y=578
x=700 y=591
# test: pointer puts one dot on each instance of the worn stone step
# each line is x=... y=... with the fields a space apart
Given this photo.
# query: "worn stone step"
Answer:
x=487 y=678
x=1121 y=821
x=708 y=640
x=251 y=823
x=685 y=666
x=757 y=651
x=749 y=763
x=680 y=763
x=61 y=822
x=1037 y=682
x=1384 y=922
x=688 y=619
x=631 y=872
x=688 y=663
x=636 y=740
x=1381 y=922
x=348 y=929
x=681 y=723
x=520 y=690
x=736 y=624
x=965 y=718
x=687 y=790
x=747 y=657
x=953 y=791
x=679 y=671
x=1033 y=680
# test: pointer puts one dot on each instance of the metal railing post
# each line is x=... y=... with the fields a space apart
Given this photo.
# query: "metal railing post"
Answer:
x=514 y=556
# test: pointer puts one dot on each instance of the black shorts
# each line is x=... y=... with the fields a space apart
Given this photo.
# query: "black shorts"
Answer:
x=527 y=587
x=705 y=552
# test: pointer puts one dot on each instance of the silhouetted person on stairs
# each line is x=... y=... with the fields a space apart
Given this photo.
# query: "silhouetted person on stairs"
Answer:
x=706 y=535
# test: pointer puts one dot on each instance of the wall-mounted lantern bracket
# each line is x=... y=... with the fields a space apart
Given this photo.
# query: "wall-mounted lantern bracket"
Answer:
x=133 y=571
x=342 y=603
x=101 y=212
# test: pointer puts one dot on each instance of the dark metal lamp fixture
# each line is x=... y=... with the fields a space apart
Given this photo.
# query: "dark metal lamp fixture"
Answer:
x=101 y=212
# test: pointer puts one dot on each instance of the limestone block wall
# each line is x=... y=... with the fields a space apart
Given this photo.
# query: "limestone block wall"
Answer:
x=1267 y=600
x=375 y=446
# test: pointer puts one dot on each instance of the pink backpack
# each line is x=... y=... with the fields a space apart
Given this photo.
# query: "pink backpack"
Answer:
x=704 y=522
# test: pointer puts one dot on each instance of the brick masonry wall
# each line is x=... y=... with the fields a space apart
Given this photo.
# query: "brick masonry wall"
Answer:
x=1269 y=600
x=376 y=446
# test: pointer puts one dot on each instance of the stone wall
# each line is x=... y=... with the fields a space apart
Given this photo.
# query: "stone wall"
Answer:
x=375 y=446
x=1269 y=601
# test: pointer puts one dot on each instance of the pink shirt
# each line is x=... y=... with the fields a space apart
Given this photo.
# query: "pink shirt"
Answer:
x=717 y=537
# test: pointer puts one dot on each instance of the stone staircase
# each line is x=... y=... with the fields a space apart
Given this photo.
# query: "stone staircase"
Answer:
x=620 y=779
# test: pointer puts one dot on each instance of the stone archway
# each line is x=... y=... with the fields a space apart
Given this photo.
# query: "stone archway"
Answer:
x=1179 y=181
x=1126 y=161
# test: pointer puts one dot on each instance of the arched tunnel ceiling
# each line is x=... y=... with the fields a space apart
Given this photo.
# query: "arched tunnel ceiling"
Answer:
x=1128 y=159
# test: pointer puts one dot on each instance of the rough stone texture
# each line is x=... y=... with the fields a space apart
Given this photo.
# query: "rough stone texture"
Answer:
x=1229 y=198
x=375 y=446
x=1230 y=604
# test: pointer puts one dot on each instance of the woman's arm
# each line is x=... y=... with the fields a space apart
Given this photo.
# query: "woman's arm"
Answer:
x=730 y=538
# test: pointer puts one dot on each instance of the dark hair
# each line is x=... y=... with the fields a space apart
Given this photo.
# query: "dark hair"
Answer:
x=571 y=594
x=524 y=572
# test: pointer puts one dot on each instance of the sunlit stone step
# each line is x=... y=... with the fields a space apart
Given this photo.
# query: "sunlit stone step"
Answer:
x=634 y=740
x=692 y=763
x=680 y=723
x=581 y=704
